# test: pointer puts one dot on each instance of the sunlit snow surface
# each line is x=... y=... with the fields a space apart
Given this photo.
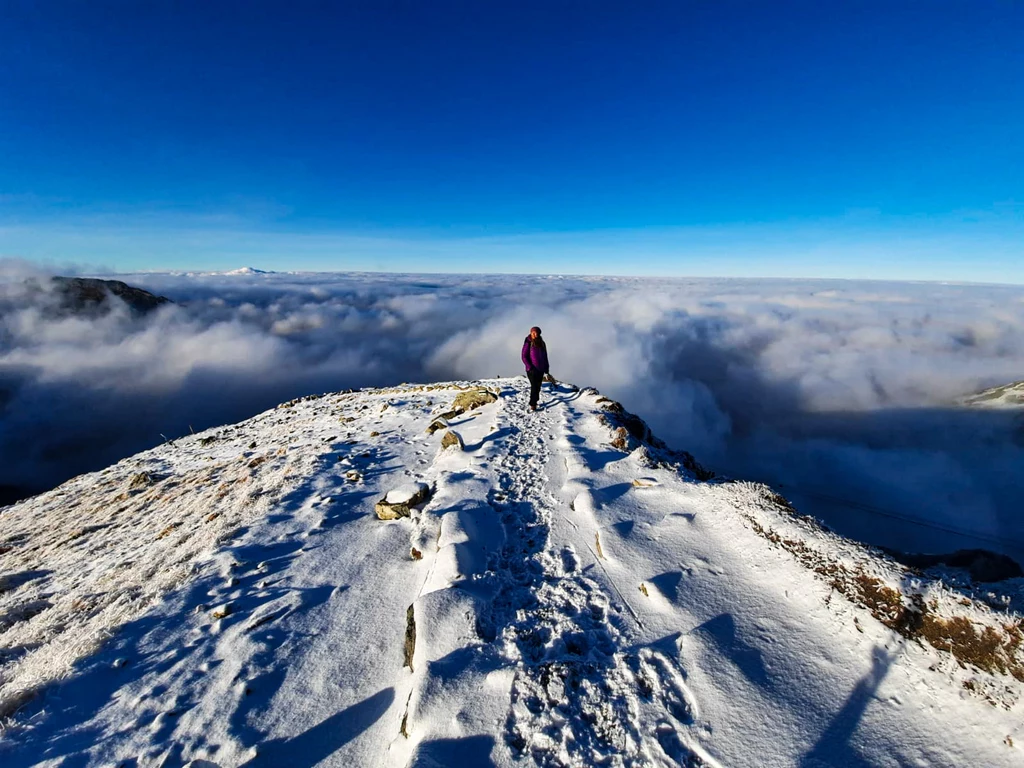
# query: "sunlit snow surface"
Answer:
x=575 y=603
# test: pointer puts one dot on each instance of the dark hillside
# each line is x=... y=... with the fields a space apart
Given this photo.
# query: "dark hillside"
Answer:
x=89 y=295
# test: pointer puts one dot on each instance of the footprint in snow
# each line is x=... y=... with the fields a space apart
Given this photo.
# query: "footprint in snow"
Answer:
x=570 y=562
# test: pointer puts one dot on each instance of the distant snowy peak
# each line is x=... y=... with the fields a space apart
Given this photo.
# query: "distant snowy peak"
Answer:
x=248 y=271
x=1006 y=396
x=240 y=272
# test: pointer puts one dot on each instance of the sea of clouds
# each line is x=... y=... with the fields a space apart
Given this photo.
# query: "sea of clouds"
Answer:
x=843 y=393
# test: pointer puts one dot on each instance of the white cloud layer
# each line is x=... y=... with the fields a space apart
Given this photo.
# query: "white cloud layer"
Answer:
x=835 y=389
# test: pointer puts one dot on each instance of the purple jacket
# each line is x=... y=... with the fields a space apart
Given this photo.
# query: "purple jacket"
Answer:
x=535 y=356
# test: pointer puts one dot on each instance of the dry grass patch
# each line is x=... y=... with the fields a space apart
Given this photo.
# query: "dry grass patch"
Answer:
x=967 y=630
x=102 y=562
x=168 y=530
x=985 y=647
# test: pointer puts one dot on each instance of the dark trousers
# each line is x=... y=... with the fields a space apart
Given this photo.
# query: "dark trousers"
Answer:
x=536 y=377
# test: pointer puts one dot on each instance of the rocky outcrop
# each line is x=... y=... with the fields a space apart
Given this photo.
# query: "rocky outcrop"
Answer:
x=437 y=424
x=467 y=400
x=400 y=501
x=142 y=480
x=630 y=432
x=452 y=440
x=473 y=398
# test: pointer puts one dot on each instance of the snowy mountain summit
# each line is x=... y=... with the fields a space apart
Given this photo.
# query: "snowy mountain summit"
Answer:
x=247 y=271
x=1006 y=396
x=435 y=576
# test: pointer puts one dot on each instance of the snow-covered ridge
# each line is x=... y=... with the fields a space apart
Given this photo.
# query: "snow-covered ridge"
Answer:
x=560 y=589
x=1006 y=396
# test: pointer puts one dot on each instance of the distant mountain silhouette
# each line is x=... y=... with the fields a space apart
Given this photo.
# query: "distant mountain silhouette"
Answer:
x=89 y=295
x=73 y=296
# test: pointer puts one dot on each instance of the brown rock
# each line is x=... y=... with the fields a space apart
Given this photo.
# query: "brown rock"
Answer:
x=452 y=440
x=142 y=480
x=473 y=398
x=435 y=425
x=400 y=501
x=409 y=647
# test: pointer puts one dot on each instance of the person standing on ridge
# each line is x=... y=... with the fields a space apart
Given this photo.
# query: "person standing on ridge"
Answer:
x=535 y=358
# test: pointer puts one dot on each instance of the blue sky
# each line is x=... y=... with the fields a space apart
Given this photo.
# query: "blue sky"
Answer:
x=761 y=139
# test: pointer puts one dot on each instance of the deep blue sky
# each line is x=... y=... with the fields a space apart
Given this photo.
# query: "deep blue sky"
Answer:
x=819 y=139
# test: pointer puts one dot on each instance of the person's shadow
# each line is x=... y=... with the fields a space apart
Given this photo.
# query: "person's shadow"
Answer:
x=566 y=395
x=833 y=746
x=326 y=737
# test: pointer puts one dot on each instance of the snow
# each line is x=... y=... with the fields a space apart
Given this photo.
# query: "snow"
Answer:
x=1009 y=396
x=405 y=493
x=569 y=595
x=246 y=271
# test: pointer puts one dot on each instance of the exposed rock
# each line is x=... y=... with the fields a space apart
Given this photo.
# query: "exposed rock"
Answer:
x=409 y=647
x=222 y=611
x=634 y=425
x=452 y=440
x=473 y=398
x=297 y=400
x=464 y=401
x=142 y=480
x=400 y=501
x=353 y=476
x=620 y=439
x=630 y=433
x=437 y=424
